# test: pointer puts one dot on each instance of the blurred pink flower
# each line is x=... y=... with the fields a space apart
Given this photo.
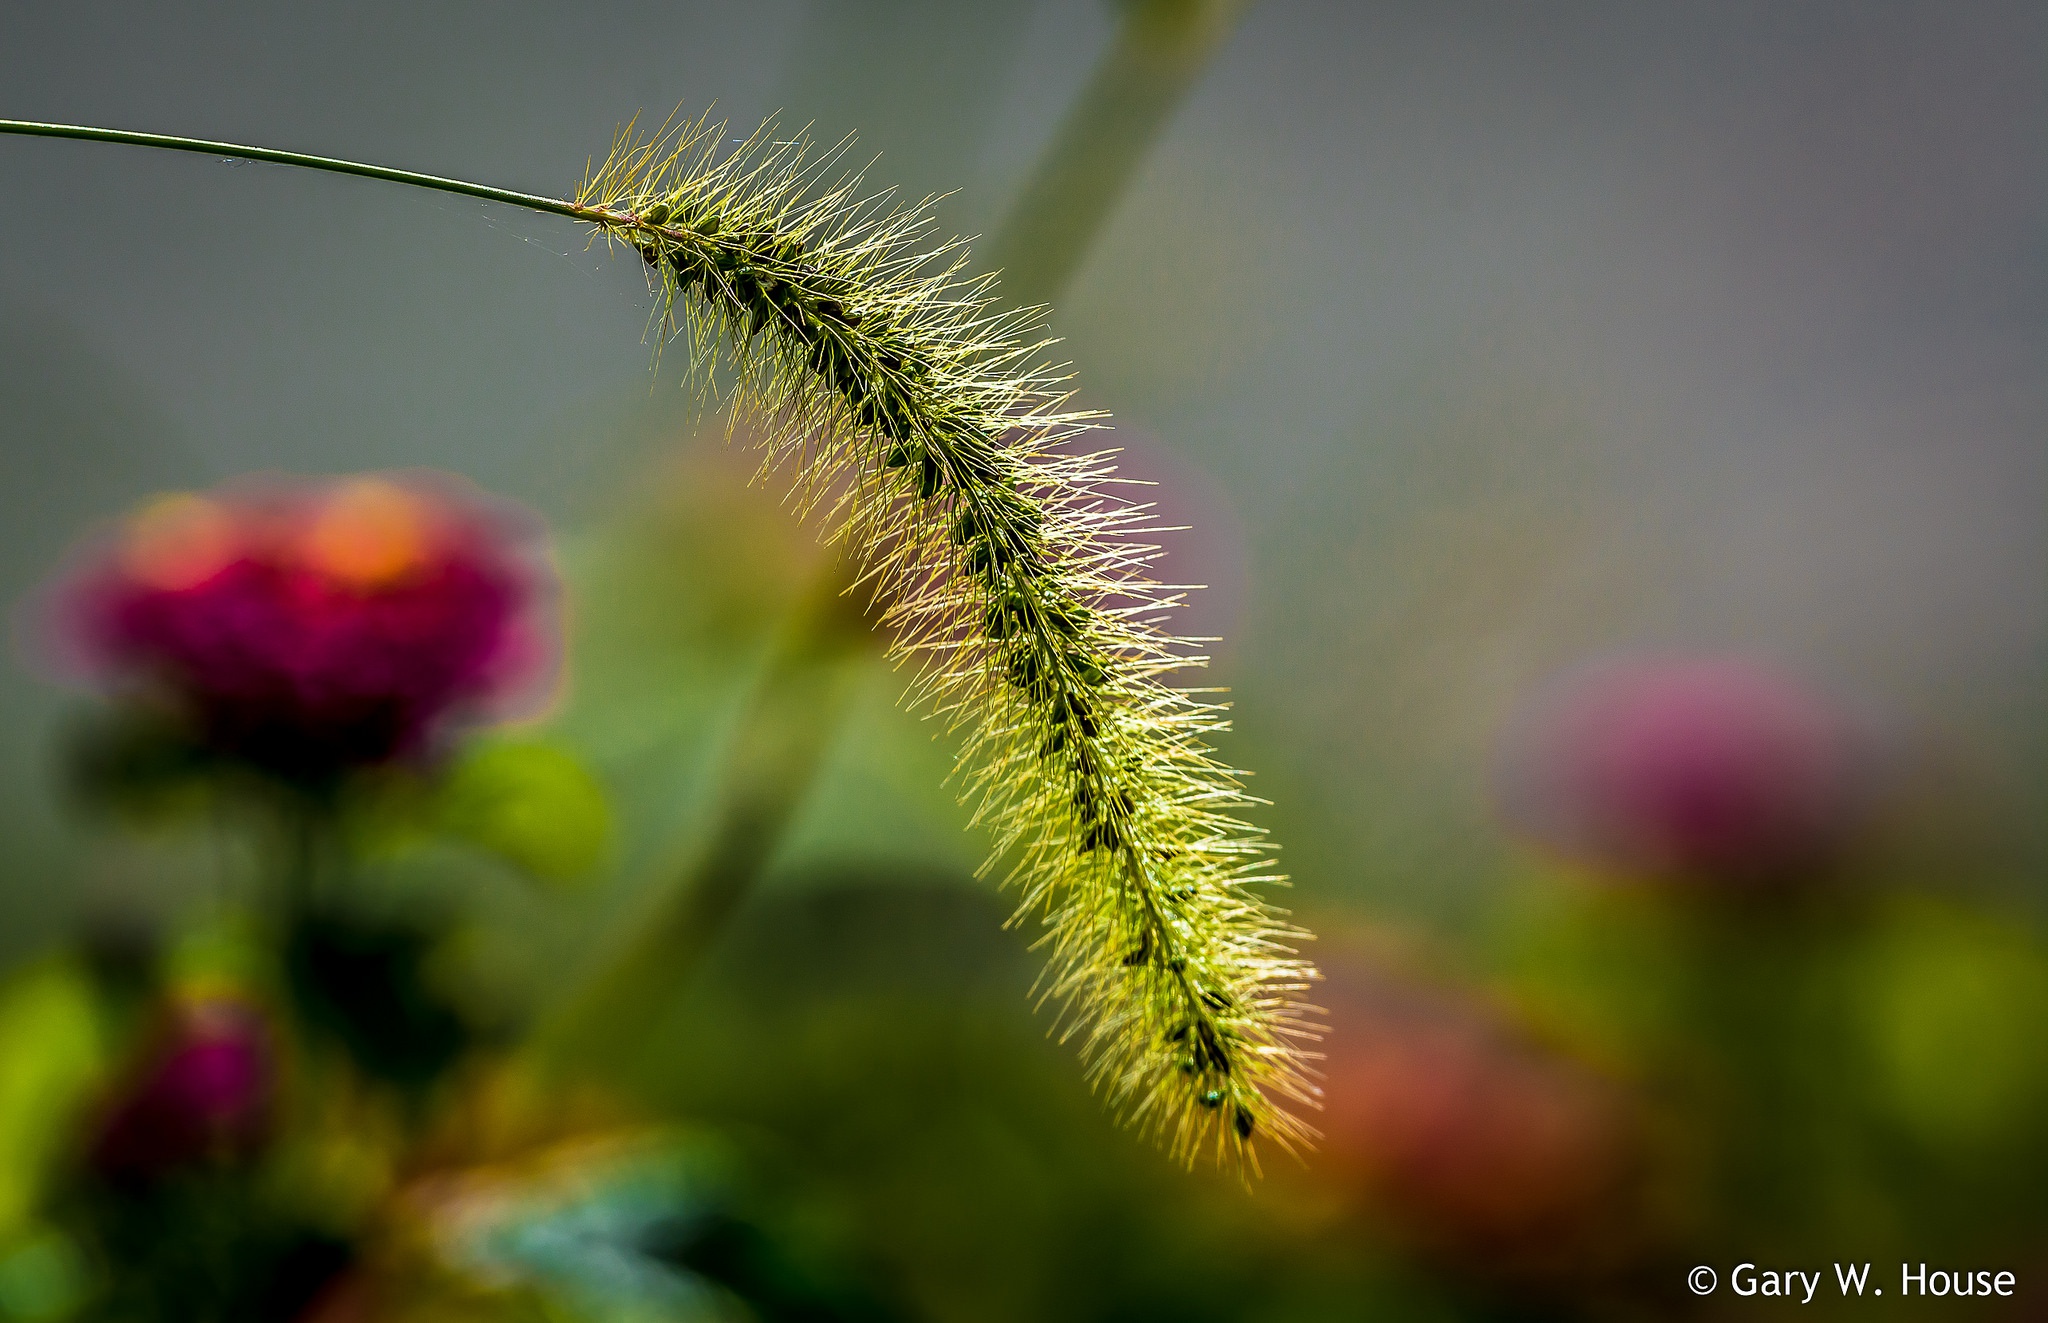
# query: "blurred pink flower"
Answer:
x=205 y=1094
x=309 y=627
x=1710 y=767
x=1478 y=1144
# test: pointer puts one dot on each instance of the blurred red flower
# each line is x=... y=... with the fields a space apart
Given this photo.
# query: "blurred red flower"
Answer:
x=205 y=1094
x=309 y=627
x=1479 y=1145
x=1717 y=767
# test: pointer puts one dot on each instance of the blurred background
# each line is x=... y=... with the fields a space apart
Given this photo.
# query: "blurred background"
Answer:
x=1612 y=443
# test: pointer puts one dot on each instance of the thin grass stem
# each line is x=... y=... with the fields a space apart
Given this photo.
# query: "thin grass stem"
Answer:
x=273 y=156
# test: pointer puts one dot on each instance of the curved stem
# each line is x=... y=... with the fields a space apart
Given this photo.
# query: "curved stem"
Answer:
x=333 y=165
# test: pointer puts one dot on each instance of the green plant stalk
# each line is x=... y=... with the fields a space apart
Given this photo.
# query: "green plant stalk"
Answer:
x=1155 y=61
x=791 y=719
x=925 y=419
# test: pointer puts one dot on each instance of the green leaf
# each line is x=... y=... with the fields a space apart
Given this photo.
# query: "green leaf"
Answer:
x=533 y=805
x=51 y=1056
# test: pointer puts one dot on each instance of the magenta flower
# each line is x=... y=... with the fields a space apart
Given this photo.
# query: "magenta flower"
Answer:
x=206 y=1095
x=1716 y=767
x=306 y=628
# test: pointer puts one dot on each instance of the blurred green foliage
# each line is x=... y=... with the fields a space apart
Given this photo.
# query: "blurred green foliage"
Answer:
x=534 y=805
x=53 y=1050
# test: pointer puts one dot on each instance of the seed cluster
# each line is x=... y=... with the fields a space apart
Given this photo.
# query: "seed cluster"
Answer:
x=1014 y=580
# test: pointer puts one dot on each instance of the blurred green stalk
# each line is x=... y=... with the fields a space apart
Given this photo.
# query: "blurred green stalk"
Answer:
x=780 y=741
x=1161 y=51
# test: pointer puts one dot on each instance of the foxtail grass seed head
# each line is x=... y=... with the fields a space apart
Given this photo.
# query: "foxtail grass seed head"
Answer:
x=943 y=447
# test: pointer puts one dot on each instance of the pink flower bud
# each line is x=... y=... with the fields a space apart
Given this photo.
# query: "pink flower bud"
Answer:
x=205 y=1094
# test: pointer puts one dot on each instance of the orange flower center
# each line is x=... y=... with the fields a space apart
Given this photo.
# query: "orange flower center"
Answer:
x=368 y=534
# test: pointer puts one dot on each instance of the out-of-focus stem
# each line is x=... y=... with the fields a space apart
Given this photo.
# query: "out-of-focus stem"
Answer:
x=775 y=753
x=304 y=844
x=1157 y=57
